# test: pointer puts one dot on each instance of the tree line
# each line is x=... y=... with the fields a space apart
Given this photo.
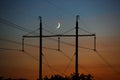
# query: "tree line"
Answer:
x=58 y=77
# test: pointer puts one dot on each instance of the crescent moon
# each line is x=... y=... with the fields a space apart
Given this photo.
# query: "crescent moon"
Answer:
x=58 y=25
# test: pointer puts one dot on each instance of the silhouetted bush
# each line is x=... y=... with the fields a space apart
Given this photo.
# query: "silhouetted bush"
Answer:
x=59 y=77
x=3 y=78
x=72 y=77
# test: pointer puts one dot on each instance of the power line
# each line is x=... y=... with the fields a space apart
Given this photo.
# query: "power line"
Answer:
x=84 y=24
x=20 y=51
x=47 y=63
x=68 y=30
x=29 y=55
x=11 y=24
x=62 y=53
x=66 y=43
x=66 y=68
x=47 y=31
x=58 y=8
x=84 y=30
x=29 y=31
x=11 y=41
x=83 y=68
x=32 y=32
x=57 y=36
x=107 y=63
x=65 y=54
x=64 y=10
x=34 y=57
x=51 y=67
x=15 y=42
x=50 y=48
x=10 y=49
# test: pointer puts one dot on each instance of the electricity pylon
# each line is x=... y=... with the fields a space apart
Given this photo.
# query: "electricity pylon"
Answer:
x=76 y=45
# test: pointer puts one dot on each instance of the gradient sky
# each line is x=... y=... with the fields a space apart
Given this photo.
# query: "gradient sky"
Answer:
x=96 y=16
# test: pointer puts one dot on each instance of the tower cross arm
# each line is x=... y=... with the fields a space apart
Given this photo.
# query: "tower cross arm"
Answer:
x=82 y=35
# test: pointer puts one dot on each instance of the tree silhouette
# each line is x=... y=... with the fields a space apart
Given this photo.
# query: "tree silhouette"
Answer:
x=71 y=77
x=59 y=77
x=3 y=78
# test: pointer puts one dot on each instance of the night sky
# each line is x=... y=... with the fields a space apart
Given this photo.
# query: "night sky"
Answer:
x=101 y=17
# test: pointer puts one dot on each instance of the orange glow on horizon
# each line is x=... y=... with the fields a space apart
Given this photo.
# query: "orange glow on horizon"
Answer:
x=21 y=65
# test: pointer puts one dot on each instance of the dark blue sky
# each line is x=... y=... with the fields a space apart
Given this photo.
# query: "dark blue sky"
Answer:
x=99 y=16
